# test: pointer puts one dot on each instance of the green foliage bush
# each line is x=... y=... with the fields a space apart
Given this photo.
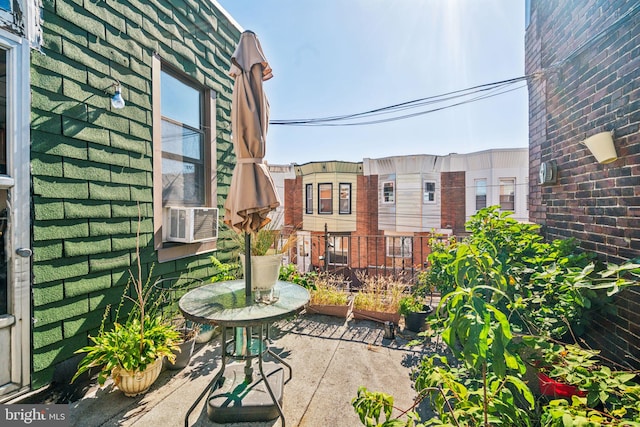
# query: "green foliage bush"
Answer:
x=501 y=280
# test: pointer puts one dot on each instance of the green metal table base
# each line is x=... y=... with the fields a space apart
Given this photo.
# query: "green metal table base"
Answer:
x=243 y=346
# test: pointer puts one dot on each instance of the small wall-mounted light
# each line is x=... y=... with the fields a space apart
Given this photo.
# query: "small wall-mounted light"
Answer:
x=602 y=148
x=117 y=101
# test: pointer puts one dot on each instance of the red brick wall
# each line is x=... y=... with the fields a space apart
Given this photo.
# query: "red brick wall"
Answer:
x=293 y=203
x=579 y=94
x=364 y=251
x=453 y=196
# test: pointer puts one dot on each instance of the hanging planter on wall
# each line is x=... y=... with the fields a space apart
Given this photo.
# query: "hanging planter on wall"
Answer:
x=602 y=148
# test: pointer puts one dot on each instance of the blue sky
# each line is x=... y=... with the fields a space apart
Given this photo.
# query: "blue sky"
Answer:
x=335 y=57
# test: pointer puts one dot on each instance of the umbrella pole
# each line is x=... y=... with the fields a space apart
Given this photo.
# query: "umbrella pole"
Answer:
x=247 y=266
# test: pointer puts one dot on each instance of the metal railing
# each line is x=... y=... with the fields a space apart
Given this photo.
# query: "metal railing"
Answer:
x=351 y=256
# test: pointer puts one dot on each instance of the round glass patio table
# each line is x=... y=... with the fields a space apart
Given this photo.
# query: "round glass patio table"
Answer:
x=225 y=304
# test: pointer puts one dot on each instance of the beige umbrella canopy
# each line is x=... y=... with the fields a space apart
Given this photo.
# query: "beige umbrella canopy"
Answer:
x=252 y=194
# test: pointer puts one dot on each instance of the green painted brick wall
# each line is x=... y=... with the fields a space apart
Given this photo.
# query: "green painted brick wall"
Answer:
x=93 y=166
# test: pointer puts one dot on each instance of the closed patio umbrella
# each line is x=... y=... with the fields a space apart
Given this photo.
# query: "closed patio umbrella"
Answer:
x=252 y=194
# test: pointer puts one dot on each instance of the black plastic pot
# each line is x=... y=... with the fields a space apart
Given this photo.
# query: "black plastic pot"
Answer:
x=184 y=356
x=415 y=321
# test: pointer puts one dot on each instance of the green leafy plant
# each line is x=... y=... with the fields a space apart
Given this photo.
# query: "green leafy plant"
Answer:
x=370 y=405
x=137 y=342
x=504 y=279
x=130 y=346
x=552 y=287
x=410 y=304
x=224 y=270
x=267 y=240
x=289 y=273
x=611 y=397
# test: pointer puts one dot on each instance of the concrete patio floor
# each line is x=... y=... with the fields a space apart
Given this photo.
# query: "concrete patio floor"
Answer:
x=330 y=358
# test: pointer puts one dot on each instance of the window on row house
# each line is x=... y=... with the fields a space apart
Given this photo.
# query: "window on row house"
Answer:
x=400 y=246
x=308 y=204
x=184 y=169
x=481 y=194
x=507 y=194
x=429 y=192
x=325 y=198
x=388 y=192
x=345 y=198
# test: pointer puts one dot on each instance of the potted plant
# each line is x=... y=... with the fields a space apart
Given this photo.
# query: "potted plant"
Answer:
x=379 y=299
x=169 y=291
x=268 y=246
x=415 y=312
x=327 y=297
x=132 y=351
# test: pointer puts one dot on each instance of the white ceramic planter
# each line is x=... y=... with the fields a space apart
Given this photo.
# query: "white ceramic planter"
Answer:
x=602 y=148
x=264 y=271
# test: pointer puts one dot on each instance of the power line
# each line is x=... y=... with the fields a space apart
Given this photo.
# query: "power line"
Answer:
x=491 y=89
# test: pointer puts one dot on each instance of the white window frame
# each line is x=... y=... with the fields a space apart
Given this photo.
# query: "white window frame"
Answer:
x=427 y=193
x=308 y=197
x=389 y=197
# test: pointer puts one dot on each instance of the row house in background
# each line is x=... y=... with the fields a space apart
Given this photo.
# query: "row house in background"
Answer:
x=381 y=213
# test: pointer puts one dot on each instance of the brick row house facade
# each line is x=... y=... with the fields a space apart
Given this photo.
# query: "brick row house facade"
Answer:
x=583 y=59
x=79 y=177
x=382 y=213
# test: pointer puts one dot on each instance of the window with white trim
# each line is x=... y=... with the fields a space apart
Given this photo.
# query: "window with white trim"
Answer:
x=308 y=204
x=388 y=192
x=507 y=194
x=428 y=192
x=325 y=198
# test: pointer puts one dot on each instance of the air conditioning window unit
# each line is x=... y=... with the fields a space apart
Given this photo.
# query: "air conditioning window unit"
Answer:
x=189 y=225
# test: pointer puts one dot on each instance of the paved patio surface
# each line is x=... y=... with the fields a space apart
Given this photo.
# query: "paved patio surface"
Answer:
x=330 y=358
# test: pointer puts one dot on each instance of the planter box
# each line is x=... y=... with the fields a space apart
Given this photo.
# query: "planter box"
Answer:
x=376 y=316
x=330 y=310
